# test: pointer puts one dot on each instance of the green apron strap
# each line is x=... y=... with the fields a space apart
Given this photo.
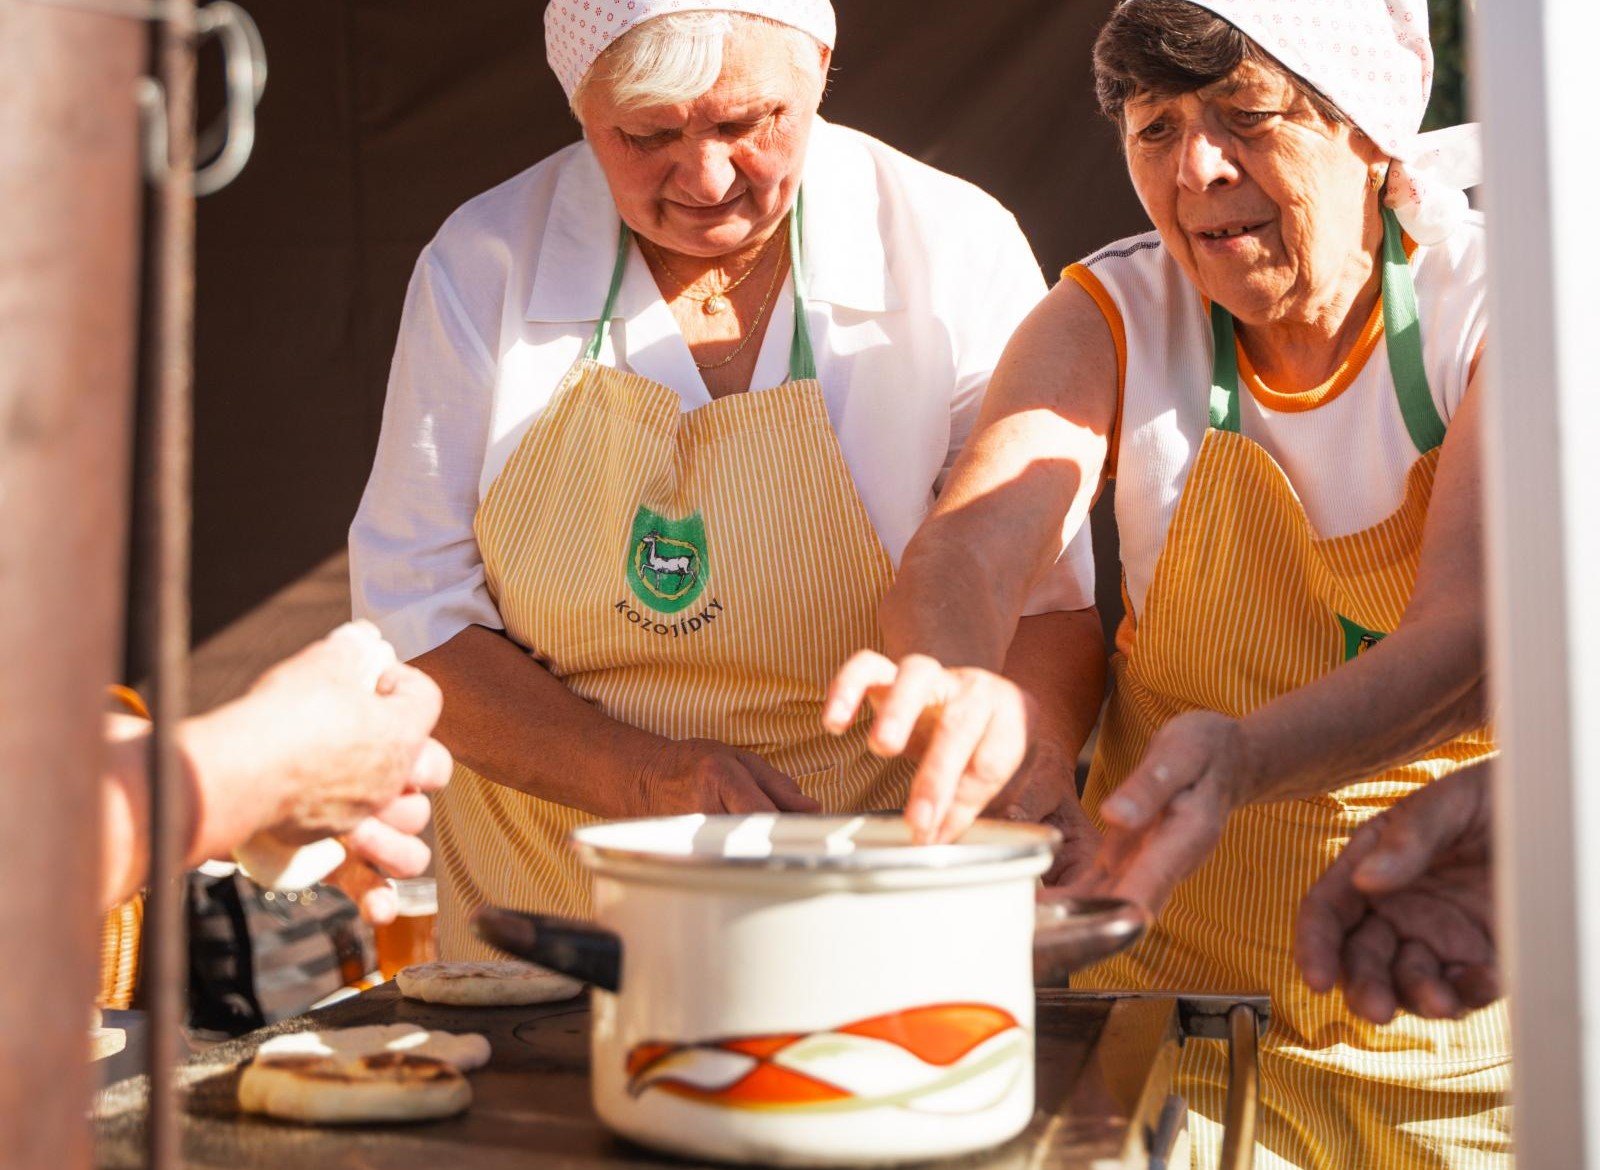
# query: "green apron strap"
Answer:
x=1224 y=372
x=1402 y=327
x=592 y=350
x=1402 y=338
x=802 y=359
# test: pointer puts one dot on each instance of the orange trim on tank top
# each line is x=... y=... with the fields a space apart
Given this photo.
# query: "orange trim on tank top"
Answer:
x=1090 y=283
x=1298 y=401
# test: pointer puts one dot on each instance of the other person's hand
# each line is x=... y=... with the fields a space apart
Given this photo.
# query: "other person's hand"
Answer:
x=334 y=741
x=705 y=776
x=971 y=731
x=1166 y=817
x=1073 y=867
x=387 y=843
x=346 y=754
x=1045 y=790
x=341 y=750
x=1403 y=918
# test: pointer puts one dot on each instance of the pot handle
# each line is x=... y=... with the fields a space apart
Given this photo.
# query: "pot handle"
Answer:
x=573 y=948
x=1069 y=933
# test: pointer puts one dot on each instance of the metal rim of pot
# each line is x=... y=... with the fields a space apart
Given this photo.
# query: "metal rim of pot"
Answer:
x=1031 y=840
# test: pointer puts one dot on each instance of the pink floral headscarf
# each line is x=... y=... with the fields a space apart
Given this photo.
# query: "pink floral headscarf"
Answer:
x=1373 y=59
x=576 y=32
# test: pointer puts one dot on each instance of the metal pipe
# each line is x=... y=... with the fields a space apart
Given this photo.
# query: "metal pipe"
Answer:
x=171 y=378
x=69 y=190
x=1239 y=1132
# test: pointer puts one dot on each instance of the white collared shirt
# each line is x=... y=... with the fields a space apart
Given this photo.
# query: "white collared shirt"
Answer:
x=915 y=279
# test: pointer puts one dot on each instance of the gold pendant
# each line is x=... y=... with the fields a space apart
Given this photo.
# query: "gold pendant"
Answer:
x=714 y=304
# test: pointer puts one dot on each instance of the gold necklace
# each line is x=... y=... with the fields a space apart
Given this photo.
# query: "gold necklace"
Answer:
x=755 y=326
x=713 y=303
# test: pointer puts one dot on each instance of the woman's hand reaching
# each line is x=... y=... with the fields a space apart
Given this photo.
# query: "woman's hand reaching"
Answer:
x=970 y=730
x=1167 y=816
x=704 y=776
x=1404 y=917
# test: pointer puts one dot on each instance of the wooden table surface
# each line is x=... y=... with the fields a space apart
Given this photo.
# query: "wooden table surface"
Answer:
x=1104 y=1070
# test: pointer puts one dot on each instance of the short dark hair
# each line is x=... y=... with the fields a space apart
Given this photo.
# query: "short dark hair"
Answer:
x=1166 y=48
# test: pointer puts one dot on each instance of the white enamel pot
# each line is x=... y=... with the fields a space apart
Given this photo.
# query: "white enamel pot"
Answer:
x=811 y=991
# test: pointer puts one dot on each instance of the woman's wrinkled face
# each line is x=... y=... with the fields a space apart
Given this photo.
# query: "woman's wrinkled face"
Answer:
x=1266 y=204
x=708 y=176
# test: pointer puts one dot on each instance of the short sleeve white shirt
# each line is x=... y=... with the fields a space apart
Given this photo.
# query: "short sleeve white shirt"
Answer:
x=915 y=281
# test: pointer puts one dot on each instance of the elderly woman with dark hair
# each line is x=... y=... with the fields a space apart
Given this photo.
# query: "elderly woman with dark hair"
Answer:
x=1280 y=378
x=664 y=411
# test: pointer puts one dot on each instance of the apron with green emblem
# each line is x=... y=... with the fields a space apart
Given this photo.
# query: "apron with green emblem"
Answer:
x=1248 y=603
x=697 y=574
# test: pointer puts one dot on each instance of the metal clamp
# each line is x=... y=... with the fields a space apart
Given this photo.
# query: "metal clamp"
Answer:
x=233 y=139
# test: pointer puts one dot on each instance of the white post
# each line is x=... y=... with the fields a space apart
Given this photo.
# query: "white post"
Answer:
x=1536 y=85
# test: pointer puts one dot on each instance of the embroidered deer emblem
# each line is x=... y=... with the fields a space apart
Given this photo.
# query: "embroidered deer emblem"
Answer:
x=677 y=566
x=667 y=560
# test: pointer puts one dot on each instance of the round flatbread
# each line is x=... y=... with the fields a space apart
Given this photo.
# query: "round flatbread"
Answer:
x=493 y=983
x=330 y=1090
x=463 y=1050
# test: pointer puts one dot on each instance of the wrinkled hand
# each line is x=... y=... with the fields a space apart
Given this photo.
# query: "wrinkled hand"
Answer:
x=1045 y=790
x=970 y=729
x=1167 y=816
x=1403 y=918
x=1073 y=867
x=704 y=776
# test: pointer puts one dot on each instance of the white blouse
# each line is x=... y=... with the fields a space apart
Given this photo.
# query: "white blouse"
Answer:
x=915 y=280
x=1345 y=449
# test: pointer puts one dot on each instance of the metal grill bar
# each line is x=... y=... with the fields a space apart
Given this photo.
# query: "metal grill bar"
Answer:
x=171 y=378
x=1239 y=1134
x=68 y=237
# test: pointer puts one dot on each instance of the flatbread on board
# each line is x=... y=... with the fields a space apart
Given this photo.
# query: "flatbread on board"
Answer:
x=332 y=1090
x=492 y=983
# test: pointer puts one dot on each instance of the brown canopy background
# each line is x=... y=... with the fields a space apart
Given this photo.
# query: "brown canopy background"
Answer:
x=381 y=116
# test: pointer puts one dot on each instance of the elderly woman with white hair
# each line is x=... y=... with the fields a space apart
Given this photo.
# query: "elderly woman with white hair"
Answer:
x=664 y=411
x=1281 y=379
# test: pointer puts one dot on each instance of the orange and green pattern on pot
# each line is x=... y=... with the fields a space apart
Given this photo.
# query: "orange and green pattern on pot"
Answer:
x=950 y=1059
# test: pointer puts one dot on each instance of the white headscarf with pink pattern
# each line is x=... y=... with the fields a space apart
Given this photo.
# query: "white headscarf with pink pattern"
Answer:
x=576 y=32
x=1373 y=59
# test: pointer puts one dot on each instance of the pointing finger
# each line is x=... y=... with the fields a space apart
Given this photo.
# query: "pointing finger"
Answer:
x=848 y=691
x=918 y=689
x=1000 y=753
x=948 y=755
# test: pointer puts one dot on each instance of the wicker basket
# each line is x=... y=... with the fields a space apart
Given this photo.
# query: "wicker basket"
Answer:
x=123 y=925
x=120 y=932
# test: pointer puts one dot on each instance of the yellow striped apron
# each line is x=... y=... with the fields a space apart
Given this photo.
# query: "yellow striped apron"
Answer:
x=695 y=574
x=1247 y=603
